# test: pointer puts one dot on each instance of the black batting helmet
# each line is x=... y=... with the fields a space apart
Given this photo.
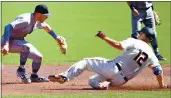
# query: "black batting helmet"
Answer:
x=149 y=32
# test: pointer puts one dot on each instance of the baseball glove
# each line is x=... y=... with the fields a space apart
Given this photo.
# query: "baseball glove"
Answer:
x=101 y=35
x=156 y=18
x=62 y=44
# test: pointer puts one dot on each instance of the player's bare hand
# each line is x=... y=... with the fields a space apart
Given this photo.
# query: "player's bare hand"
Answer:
x=101 y=35
x=104 y=85
x=135 y=12
x=62 y=44
x=5 y=49
x=166 y=87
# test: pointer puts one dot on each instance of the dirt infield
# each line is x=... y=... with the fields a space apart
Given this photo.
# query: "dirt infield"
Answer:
x=11 y=84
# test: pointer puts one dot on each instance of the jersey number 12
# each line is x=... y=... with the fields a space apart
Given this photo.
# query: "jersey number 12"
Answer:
x=141 y=57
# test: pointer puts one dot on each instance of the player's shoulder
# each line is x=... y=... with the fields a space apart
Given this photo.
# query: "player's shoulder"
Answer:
x=135 y=40
x=131 y=39
x=25 y=16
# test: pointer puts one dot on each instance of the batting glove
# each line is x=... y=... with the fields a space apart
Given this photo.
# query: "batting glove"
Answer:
x=101 y=35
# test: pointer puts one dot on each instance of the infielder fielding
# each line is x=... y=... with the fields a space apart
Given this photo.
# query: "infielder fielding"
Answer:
x=13 y=41
x=143 y=12
x=137 y=55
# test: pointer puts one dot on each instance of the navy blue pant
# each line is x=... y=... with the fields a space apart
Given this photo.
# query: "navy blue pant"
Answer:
x=147 y=18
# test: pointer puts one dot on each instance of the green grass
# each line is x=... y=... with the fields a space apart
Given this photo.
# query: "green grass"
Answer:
x=78 y=22
x=145 y=94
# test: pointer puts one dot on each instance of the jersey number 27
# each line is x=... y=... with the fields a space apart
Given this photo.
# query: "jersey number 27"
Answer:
x=141 y=57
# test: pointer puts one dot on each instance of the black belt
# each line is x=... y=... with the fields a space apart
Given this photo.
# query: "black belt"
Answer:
x=143 y=8
x=119 y=68
x=16 y=38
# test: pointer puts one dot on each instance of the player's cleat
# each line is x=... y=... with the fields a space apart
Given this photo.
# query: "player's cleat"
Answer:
x=22 y=74
x=57 y=78
x=160 y=58
x=36 y=78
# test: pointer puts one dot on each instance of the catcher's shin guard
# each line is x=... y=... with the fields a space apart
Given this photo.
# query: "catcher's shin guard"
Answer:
x=57 y=78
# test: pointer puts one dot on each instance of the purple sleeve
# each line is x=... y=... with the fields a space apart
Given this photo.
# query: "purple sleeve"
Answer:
x=7 y=32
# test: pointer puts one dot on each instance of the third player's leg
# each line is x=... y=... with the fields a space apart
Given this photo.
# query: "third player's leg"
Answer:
x=136 y=25
x=150 y=22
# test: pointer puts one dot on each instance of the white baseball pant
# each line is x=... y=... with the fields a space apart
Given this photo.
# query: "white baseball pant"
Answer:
x=105 y=69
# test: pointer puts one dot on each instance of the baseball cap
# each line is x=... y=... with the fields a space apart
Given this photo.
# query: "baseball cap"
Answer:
x=43 y=9
x=149 y=32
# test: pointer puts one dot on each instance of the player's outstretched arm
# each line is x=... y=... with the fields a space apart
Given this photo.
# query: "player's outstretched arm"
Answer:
x=5 y=44
x=158 y=72
x=111 y=42
x=59 y=39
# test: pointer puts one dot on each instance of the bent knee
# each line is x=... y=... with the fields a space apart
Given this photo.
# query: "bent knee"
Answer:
x=38 y=57
x=93 y=83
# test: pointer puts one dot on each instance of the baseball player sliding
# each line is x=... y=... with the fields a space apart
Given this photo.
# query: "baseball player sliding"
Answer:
x=136 y=56
x=13 y=41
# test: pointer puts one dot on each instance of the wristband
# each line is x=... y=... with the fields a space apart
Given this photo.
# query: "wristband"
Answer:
x=53 y=34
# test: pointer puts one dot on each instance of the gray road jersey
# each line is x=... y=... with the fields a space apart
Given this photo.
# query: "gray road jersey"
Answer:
x=22 y=25
x=142 y=4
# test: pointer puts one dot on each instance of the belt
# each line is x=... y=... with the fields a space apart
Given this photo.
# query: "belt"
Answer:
x=16 y=38
x=119 y=68
x=143 y=8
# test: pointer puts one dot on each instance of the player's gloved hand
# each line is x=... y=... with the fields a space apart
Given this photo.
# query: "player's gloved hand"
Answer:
x=101 y=35
x=156 y=18
x=5 y=49
x=62 y=44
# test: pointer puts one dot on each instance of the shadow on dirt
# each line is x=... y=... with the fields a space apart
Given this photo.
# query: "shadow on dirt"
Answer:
x=125 y=88
x=70 y=89
x=8 y=83
x=139 y=88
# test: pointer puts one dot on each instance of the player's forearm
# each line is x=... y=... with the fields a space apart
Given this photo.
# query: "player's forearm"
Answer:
x=48 y=29
x=53 y=34
x=113 y=43
x=130 y=5
x=158 y=72
x=160 y=81
x=7 y=32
